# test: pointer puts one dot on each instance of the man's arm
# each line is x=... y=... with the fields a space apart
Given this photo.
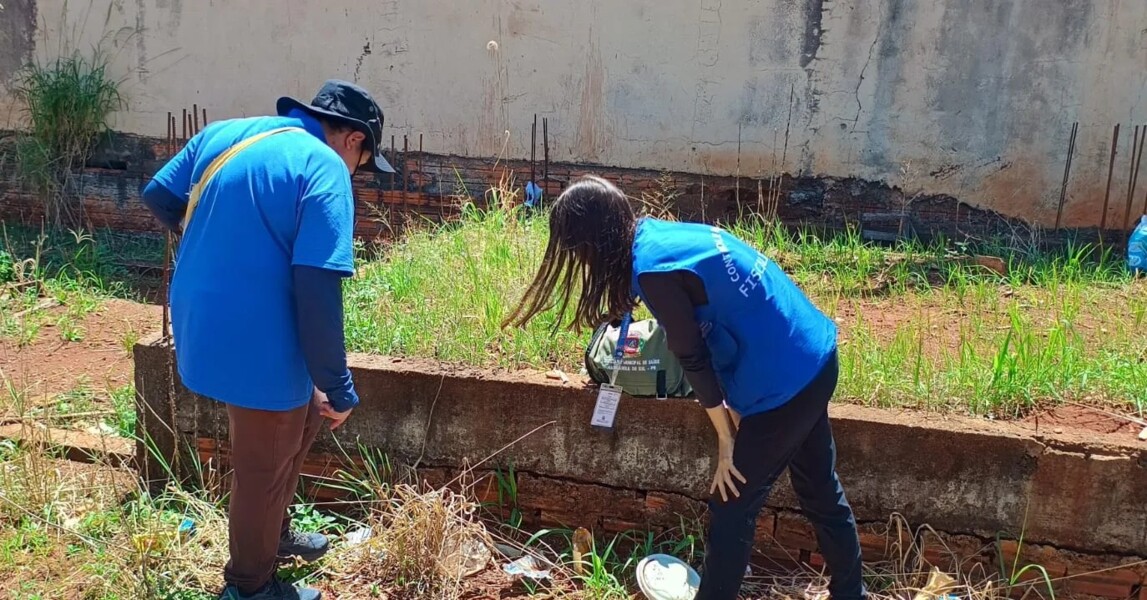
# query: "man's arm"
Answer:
x=319 y=315
x=166 y=194
x=164 y=206
x=668 y=297
x=323 y=255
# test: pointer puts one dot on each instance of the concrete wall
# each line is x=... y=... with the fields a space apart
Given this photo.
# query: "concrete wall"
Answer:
x=972 y=98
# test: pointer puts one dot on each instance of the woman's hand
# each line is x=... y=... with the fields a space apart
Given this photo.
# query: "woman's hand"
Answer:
x=726 y=472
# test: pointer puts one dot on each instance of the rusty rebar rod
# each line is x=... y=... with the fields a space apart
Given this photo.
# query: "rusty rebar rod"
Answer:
x=545 y=156
x=1110 y=172
x=1136 y=159
x=1066 y=174
x=195 y=114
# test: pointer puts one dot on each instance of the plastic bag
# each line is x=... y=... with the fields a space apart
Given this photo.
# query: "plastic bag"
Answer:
x=1137 y=248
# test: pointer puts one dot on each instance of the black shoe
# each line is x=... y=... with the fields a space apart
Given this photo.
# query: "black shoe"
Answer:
x=307 y=546
x=274 y=590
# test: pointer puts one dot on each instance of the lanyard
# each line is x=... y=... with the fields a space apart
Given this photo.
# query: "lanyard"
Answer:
x=619 y=349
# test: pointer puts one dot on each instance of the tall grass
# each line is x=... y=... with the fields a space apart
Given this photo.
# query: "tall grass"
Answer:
x=923 y=326
x=68 y=102
x=443 y=292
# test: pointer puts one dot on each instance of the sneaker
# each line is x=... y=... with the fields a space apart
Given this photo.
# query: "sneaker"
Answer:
x=307 y=546
x=274 y=590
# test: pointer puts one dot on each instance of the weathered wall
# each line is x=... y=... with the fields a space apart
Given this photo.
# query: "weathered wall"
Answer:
x=970 y=98
x=963 y=477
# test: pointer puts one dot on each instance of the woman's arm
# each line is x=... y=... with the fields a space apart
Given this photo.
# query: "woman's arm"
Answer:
x=672 y=297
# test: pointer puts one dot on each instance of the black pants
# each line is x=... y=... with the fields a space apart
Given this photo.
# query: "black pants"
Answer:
x=796 y=436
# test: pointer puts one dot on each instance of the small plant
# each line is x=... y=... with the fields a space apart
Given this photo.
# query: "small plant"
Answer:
x=124 y=418
x=68 y=102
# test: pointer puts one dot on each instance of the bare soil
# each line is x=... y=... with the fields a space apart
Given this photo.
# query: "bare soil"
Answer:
x=50 y=365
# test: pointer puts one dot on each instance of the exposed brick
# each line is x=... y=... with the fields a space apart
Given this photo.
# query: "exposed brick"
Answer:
x=569 y=520
x=1051 y=559
x=766 y=530
x=953 y=553
x=664 y=510
x=794 y=532
x=558 y=496
x=1116 y=584
x=612 y=525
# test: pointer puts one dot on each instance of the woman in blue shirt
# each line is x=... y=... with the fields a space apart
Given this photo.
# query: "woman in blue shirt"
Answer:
x=760 y=356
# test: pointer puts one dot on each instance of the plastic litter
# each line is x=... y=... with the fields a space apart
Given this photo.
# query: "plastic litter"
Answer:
x=359 y=536
x=528 y=566
x=533 y=194
x=939 y=587
x=1137 y=248
x=470 y=556
x=663 y=577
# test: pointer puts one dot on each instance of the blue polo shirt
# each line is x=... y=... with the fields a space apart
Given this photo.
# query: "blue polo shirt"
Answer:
x=284 y=201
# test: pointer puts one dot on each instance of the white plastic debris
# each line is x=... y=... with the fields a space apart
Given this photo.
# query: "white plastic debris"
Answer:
x=663 y=577
x=527 y=566
x=358 y=536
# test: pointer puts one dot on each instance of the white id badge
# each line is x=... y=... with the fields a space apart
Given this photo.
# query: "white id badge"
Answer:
x=605 y=409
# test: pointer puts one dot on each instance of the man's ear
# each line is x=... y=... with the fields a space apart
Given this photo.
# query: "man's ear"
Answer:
x=355 y=140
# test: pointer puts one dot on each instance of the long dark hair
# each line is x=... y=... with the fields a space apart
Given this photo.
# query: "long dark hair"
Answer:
x=591 y=245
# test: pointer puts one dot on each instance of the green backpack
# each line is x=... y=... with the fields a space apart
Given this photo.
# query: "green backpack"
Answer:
x=648 y=368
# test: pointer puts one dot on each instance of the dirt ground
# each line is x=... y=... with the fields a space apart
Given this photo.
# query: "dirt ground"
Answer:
x=50 y=366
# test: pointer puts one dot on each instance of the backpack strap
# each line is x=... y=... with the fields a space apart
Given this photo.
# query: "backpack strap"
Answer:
x=217 y=163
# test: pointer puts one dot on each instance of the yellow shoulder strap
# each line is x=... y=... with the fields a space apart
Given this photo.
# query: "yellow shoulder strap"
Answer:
x=209 y=172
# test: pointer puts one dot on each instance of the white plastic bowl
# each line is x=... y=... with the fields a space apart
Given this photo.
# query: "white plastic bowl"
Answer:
x=663 y=577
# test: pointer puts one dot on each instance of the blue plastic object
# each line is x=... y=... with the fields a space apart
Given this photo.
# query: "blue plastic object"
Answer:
x=533 y=195
x=1137 y=248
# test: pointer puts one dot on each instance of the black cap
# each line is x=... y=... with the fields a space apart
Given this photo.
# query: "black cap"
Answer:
x=351 y=104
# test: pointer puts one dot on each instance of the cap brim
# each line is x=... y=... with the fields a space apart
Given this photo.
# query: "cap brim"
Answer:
x=378 y=164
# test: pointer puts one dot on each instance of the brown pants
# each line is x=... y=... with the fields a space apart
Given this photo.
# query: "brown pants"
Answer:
x=267 y=452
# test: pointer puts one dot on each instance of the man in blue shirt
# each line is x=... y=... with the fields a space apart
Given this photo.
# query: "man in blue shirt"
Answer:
x=266 y=211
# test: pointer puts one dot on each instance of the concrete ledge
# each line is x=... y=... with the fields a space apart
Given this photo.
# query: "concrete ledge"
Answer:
x=76 y=446
x=964 y=477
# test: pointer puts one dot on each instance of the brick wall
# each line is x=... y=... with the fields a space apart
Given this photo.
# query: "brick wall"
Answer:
x=784 y=539
x=429 y=186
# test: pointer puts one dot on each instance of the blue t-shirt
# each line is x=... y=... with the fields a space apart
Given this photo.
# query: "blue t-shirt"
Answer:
x=770 y=341
x=284 y=201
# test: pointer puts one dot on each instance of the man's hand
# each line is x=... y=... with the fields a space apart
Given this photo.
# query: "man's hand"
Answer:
x=328 y=411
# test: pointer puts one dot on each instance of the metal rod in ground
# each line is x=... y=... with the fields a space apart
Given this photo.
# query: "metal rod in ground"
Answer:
x=405 y=149
x=737 y=180
x=1136 y=159
x=1066 y=174
x=205 y=116
x=195 y=116
x=1131 y=176
x=185 y=125
x=534 y=149
x=545 y=154
x=166 y=287
x=394 y=160
x=1110 y=172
